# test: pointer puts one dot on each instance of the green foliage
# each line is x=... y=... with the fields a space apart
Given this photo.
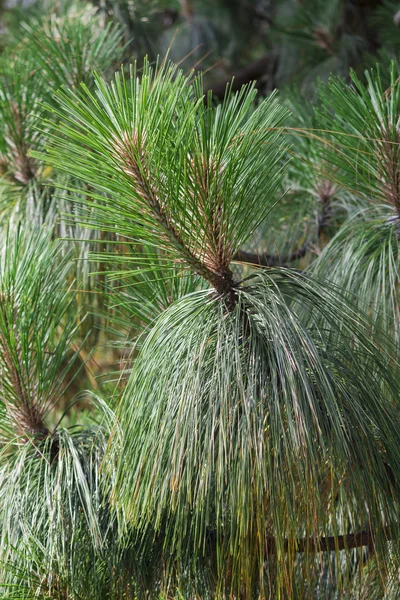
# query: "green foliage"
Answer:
x=387 y=20
x=274 y=370
x=363 y=257
x=189 y=178
x=220 y=409
x=69 y=50
x=364 y=141
x=52 y=508
x=364 y=152
x=20 y=96
x=36 y=330
x=315 y=40
x=49 y=52
x=176 y=422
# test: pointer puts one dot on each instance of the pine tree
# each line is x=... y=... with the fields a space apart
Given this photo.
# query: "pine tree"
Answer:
x=199 y=377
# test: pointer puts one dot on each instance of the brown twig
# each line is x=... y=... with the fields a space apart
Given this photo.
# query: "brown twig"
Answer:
x=214 y=269
x=325 y=193
x=325 y=543
x=23 y=411
x=332 y=543
x=270 y=260
x=252 y=72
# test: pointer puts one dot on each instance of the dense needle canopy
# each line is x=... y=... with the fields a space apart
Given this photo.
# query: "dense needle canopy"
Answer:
x=259 y=412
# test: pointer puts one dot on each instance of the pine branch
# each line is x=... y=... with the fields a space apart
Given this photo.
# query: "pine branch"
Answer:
x=220 y=277
x=36 y=331
x=23 y=412
x=389 y=156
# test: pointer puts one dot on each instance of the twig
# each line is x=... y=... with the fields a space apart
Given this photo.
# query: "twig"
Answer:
x=332 y=543
x=270 y=260
x=326 y=191
x=252 y=72
x=324 y=544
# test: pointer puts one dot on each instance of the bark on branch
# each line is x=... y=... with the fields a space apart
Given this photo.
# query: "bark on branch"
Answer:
x=252 y=72
x=331 y=544
x=326 y=544
x=270 y=260
x=276 y=260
